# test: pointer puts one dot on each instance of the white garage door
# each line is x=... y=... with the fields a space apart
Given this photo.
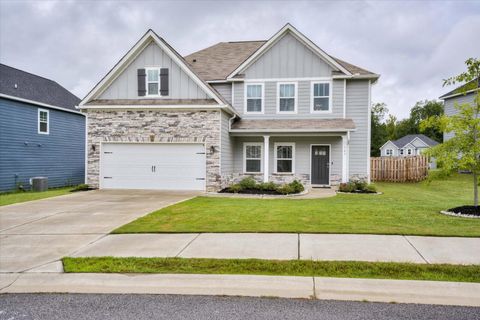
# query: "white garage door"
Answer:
x=153 y=166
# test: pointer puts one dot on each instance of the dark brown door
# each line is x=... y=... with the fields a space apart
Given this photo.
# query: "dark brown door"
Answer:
x=320 y=165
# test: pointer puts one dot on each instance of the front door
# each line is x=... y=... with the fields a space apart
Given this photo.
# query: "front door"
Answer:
x=320 y=165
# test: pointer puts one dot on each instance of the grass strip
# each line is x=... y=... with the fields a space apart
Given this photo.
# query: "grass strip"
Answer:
x=18 y=197
x=342 y=269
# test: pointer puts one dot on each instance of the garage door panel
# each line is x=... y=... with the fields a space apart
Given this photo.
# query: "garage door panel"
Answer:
x=153 y=166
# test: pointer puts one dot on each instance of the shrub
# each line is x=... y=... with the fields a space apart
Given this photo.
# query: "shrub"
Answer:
x=346 y=187
x=371 y=188
x=235 y=188
x=297 y=186
x=357 y=186
x=248 y=183
x=285 y=189
x=267 y=186
x=360 y=185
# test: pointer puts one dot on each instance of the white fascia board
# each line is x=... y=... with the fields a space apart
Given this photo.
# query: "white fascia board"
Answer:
x=290 y=130
x=40 y=104
x=389 y=141
x=130 y=56
x=458 y=94
x=267 y=45
x=227 y=108
x=417 y=138
x=358 y=76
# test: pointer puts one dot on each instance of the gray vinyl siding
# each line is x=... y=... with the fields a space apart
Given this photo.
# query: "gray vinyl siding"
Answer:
x=449 y=107
x=24 y=153
x=225 y=89
x=389 y=145
x=288 y=58
x=181 y=85
x=226 y=146
x=357 y=110
x=302 y=152
x=304 y=97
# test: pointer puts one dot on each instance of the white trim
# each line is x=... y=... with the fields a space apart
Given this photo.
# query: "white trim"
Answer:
x=287 y=79
x=245 y=144
x=387 y=143
x=6 y=96
x=344 y=158
x=266 y=161
x=245 y=98
x=312 y=97
x=267 y=45
x=389 y=155
x=38 y=121
x=147 y=82
x=233 y=94
x=295 y=106
x=458 y=94
x=130 y=57
x=329 y=162
x=283 y=144
x=86 y=149
x=344 y=98
x=417 y=138
x=373 y=76
x=292 y=130
x=369 y=128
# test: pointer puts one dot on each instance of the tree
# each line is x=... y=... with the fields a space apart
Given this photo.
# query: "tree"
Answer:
x=391 y=127
x=462 y=152
x=379 y=132
x=424 y=110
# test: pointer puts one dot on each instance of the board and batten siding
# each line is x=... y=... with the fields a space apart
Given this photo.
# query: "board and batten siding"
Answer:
x=302 y=152
x=226 y=145
x=449 y=108
x=304 y=97
x=288 y=58
x=181 y=85
x=24 y=153
x=225 y=89
x=357 y=110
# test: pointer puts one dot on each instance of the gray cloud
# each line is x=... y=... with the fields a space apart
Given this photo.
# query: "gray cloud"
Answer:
x=413 y=45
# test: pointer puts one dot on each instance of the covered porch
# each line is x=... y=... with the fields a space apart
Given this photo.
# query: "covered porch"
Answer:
x=313 y=151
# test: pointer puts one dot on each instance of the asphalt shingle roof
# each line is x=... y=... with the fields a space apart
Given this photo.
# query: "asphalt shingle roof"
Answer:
x=474 y=84
x=300 y=124
x=403 y=141
x=220 y=60
x=21 y=84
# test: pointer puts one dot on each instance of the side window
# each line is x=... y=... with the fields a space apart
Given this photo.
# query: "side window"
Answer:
x=320 y=97
x=287 y=98
x=254 y=98
x=43 y=121
x=252 y=157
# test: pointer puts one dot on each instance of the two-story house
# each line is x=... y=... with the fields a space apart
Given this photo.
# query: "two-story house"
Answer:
x=277 y=110
x=41 y=132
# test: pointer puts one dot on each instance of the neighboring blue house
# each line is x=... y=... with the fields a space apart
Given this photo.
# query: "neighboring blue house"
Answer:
x=41 y=132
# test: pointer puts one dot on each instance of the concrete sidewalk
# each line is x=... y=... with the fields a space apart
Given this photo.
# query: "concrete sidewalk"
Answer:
x=388 y=248
x=401 y=291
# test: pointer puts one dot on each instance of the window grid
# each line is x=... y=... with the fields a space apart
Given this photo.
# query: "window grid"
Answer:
x=253 y=153
x=153 y=81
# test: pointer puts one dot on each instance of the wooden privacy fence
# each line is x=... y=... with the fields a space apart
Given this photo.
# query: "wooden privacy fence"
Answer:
x=399 y=169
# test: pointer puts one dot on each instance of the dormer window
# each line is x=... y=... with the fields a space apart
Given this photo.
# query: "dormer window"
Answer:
x=153 y=81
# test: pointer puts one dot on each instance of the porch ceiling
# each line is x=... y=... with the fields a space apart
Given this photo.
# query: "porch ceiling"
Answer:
x=293 y=125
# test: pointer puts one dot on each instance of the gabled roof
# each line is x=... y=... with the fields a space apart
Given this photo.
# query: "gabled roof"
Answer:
x=219 y=61
x=27 y=86
x=465 y=88
x=402 y=142
x=147 y=38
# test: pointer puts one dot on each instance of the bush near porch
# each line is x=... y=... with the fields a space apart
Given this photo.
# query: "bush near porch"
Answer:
x=406 y=208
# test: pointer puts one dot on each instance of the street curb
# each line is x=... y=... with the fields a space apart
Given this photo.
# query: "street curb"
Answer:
x=374 y=290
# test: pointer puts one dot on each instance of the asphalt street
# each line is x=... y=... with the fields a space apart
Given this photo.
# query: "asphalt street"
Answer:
x=172 y=307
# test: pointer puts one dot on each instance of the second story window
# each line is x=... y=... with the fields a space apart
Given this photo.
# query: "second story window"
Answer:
x=287 y=98
x=43 y=121
x=254 y=97
x=153 y=81
x=320 y=97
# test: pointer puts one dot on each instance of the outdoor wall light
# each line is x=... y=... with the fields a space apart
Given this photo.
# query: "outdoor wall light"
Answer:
x=213 y=149
x=93 y=147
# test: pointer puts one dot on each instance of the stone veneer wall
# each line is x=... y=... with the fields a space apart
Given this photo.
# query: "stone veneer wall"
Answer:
x=162 y=126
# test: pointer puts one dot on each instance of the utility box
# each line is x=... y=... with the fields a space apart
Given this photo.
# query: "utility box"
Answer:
x=39 y=183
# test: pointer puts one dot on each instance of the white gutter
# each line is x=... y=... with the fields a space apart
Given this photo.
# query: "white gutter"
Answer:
x=6 y=96
x=290 y=130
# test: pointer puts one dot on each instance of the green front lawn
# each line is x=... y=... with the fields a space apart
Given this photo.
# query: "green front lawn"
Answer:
x=411 y=209
x=343 y=269
x=17 y=197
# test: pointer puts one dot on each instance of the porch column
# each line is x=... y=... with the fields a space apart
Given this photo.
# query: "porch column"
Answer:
x=266 y=149
x=345 y=159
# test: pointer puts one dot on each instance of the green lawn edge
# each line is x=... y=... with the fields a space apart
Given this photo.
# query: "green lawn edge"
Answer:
x=9 y=198
x=339 y=269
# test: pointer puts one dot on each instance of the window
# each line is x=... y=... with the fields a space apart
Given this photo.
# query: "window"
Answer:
x=409 y=152
x=287 y=96
x=284 y=157
x=43 y=118
x=153 y=81
x=320 y=97
x=254 y=98
x=401 y=152
x=389 y=152
x=253 y=157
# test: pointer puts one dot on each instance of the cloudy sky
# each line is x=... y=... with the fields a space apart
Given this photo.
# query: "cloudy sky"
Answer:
x=413 y=45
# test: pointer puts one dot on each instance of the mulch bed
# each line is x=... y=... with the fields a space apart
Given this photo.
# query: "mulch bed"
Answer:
x=251 y=191
x=464 y=211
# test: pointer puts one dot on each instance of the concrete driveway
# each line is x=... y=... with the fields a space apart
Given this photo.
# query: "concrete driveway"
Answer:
x=33 y=235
